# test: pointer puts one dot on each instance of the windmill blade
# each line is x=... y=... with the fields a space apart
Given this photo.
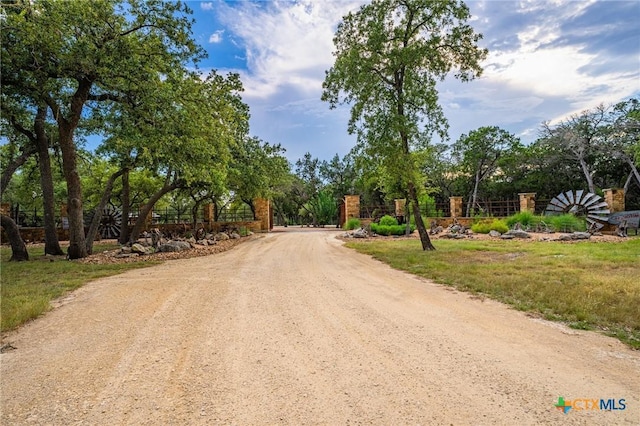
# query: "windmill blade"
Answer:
x=570 y=198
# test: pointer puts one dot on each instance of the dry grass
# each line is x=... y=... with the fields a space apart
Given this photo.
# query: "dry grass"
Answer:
x=587 y=285
x=28 y=287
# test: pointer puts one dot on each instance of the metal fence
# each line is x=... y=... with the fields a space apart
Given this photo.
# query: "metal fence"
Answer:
x=495 y=208
x=34 y=218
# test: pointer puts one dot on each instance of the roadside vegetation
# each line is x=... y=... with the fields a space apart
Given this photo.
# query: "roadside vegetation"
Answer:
x=29 y=287
x=591 y=286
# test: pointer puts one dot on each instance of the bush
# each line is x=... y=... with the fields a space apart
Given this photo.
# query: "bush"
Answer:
x=486 y=226
x=567 y=223
x=390 y=229
x=523 y=218
x=352 y=224
x=387 y=220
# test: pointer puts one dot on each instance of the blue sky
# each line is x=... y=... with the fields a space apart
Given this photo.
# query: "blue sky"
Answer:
x=547 y=60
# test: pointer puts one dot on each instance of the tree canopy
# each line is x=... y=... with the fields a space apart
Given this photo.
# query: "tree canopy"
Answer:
x=389 y=56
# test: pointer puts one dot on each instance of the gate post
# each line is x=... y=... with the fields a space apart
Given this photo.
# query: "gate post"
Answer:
x=263 y=213
x=400 y=209
x=455 y=204
x=207 y=215
x=527 y=202
x=615 y=198
x=352 y=206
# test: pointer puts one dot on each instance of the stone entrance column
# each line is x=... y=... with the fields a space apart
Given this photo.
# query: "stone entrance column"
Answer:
x=400 y=209
x=263 y=213
x=455 y=204
x=352 y=206
x=527 y=202
x=615 y=198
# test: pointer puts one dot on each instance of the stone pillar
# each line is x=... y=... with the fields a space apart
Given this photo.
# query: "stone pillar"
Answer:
x=263 y=213
x=207 y=214
x=455 y=204
x=400 y=210
x=527 y=202
x=352 y=206
x=615 y=198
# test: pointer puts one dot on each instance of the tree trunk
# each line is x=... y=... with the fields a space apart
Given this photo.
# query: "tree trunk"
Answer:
x=77 y=246
x=587 y=175
x=97 y=217
x=18 y=247
x=634 y=169
x=14 y=165
x=51 y=243
x=146 y=209
x=474 y=195
x=126 y=207
x=66 y=129
x=422 y=230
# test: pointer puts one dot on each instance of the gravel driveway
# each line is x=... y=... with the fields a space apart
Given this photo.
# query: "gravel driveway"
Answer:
x=293 y=328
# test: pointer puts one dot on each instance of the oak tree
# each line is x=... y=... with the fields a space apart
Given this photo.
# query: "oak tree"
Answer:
x=389 y=55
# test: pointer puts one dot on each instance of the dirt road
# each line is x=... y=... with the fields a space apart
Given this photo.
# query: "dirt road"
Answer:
x=293 y=328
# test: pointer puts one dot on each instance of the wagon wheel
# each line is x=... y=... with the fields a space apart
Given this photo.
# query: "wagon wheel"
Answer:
x=592 y=206
x=110 y=221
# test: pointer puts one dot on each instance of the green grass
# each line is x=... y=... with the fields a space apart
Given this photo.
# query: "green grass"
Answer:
x=27 y=288
x=587 y=285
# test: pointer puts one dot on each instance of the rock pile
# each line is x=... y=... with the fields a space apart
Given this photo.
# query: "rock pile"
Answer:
x=154 y=242
x=358 y=233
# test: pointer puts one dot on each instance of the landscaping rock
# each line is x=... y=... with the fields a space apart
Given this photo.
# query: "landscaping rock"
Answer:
x=494 y=234
x=138 y=248
x=453 y=236
x=235 y=236
x=221 y=236
x=174 y=246
x=517 y=233
x=360 y=233
x=575 y=236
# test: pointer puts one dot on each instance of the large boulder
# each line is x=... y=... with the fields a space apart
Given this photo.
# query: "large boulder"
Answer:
x=575 y=236
x=138 y=248
x=360 y=233
x=517 y=233
x=221 y=236
x=174 y=246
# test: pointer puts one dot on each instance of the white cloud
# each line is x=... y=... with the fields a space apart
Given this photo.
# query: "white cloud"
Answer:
x=216 y=37
x=287 y=43
x=206 y=5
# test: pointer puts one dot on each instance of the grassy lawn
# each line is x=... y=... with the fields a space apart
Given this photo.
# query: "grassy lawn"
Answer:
x=587 y=285
x=28 y=287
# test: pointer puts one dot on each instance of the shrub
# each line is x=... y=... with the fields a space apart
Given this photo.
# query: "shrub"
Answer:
x=567 y=223
x=387 y=220
x=523 y=218
x=485 y=226
x=352 y=223
x=390 y=229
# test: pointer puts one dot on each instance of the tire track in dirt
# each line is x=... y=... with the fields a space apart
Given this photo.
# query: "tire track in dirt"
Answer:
x=292 y=328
